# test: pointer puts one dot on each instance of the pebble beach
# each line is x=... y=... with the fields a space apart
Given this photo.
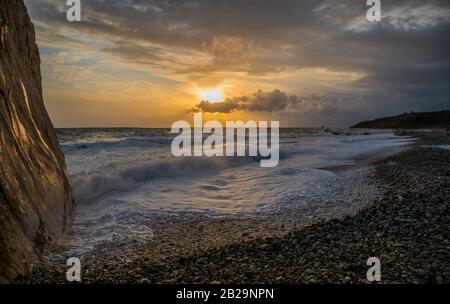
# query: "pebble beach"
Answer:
x=393 y=206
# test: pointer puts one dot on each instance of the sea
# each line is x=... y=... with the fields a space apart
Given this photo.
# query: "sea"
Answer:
x=126 y=176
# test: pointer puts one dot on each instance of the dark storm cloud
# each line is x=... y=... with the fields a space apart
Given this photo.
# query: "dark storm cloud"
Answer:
x=259 y=101
x=274 y=101
x=296 y=33
x=405 y=58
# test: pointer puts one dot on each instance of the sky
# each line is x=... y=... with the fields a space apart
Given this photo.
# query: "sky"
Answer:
x=149 y=63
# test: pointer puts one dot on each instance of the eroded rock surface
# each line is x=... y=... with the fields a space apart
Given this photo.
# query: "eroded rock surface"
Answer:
x=36 y=198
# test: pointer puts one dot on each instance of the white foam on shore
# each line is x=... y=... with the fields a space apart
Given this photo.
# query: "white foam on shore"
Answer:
x=121 y=187
x=445 y=147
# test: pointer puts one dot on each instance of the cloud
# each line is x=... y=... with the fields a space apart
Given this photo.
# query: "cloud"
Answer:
x=259 y=101
x=405 y=58
x=229 y=46
x=274 y=101
x=289 y=34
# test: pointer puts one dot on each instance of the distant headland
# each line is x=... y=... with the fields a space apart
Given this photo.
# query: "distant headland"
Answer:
x=412 y=120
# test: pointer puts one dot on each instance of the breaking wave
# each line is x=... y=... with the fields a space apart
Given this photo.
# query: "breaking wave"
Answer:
x=93 y=185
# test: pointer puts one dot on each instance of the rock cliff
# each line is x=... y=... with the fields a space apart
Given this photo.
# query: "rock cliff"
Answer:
x=413 y=120
x=36 y=197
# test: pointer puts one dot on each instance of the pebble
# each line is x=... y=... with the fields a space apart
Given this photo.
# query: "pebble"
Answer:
x=407 y=227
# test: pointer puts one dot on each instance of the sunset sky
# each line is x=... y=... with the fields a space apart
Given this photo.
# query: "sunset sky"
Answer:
x=148 y=63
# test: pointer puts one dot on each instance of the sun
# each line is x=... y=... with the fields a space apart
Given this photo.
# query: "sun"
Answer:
x=211 y=94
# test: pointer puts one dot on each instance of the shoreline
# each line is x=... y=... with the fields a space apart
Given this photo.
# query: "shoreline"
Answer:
x=237 y=250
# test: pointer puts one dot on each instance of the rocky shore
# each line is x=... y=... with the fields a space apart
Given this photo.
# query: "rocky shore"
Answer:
x=400 y=215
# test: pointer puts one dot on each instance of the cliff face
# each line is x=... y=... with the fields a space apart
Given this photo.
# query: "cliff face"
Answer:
x=424 y=120
x=36 y=198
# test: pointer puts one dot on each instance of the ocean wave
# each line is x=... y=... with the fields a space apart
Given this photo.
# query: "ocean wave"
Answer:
x=139 y=142
x=125 y=171
x=90 y=186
